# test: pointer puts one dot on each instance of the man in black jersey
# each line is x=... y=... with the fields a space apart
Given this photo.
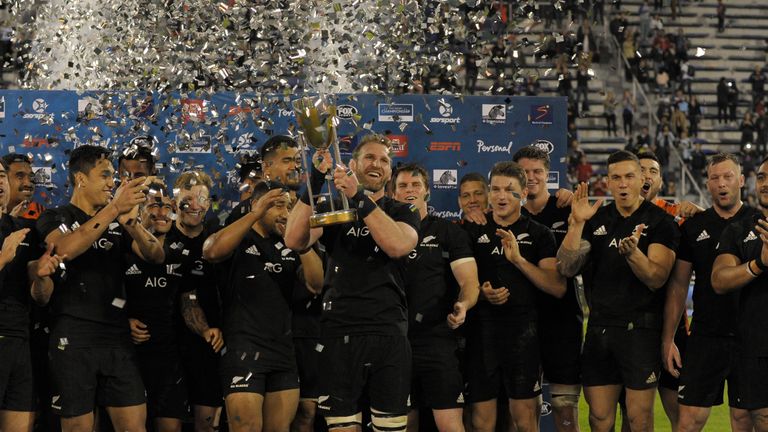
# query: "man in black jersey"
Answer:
x=280 y=162
x=710 y=349
x=364 y=319
x=630 y=245
x=515 y=258
x=152 y=291
x=21 y=182
x=19 y=249
x=90 y=340
x=258 y=371
x=473 y=196
x=201 y=339
x=442 y=259
x=741 y=265
x=135 y=161
x=560 y=319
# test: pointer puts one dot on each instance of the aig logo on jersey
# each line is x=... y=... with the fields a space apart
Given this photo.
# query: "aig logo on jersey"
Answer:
x=155 y=282
x=358 y=232
x=103 y=243
x=273 y=267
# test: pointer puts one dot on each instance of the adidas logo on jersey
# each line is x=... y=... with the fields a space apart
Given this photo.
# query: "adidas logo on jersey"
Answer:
x=651 y=378
x=537 y=386
x=751 y=236
x=253 y=250
x=133 y=270
x=703 y=236
x=484 y=239
x=600 y=231
x=460 y=399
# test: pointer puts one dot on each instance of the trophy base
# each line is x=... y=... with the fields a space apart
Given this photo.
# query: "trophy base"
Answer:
x=332 y=218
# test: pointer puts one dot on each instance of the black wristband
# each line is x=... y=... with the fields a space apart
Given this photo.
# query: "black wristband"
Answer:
x=760 y=265
x=363 y=204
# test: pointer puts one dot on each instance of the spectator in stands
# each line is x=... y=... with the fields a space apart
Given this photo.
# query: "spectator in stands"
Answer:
x=564 y=85
x=733 y=99
x=532 y=85
x=657 y=25
x=584 y=170
x=679 y=120
x=599 y=188
x=582 y=87
x=644 y=12
x=609 y=111
x=694 y=114
x=761 y=127
x=643 y=74
x=643 y=141
x=681 y=45
x=598 y=10
x=658 y=4
x=573 y=132
x=698 y=163
x=720 y=16
x=673 y=5
x=618 y=25
x=629 y=49
x=757 y=79
x=722 y=101
x=499 y=57
x=662 y=80
x=687 y=72
x=664 y=142
x=628 y=112
x=747 y=129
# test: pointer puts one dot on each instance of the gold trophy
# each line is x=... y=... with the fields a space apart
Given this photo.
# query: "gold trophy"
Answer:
x=316 y=120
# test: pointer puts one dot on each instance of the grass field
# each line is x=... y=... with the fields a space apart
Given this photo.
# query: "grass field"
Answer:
x=718 y=419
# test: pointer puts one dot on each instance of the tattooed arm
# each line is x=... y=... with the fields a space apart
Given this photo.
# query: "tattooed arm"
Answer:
x=195 y=319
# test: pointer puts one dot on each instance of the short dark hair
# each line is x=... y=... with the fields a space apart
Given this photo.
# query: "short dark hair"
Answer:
x=259 y=189
x=510 y=169
x=138 y=152
x=249 y=165
x=622 y=156
x=12 y=158
x=275 y=143
x=722 y=157
x=532 y=152
x=84 y=158
x=648 y=155
x=415 y=169
x=473 y=177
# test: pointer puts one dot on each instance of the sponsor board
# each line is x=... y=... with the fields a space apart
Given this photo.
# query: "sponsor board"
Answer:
x=445 y=178
x=494 y=113
x=399 y=145
x=395 y=112
x=445 y=146
x=541 y=115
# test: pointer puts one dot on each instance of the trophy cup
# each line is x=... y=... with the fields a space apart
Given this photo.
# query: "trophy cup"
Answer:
x=316 y=120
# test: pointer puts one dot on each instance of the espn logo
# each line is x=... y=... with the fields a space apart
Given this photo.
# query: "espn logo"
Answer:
x=444 y=146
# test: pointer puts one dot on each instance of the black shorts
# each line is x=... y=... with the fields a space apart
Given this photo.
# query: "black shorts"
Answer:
x=501 y=353
x=560 y=344
x=619 y=356
x=351 y=364
x=201 y=366
x=751 y=386
x=436 y=382
x=709 y=362
x=16 y=379
x=105 y=376
x=164 y=380
x=667 y=380
x=245 y=371
x=307 y=360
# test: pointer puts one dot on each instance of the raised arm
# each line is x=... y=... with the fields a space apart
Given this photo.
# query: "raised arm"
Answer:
x=543 y=274
x=574 y=251
x=73 y=243
x=221 y=245
x=312 y=267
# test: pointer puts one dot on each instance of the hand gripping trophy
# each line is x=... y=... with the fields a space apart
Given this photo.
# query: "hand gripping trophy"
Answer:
x=316 y=120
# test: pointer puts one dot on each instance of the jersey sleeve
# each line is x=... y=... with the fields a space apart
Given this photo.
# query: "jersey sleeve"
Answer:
x=666 y=233
x=730 y=240
x=49 y=221
x=685 y=252
x=547 y=244
x=458 y=243
x=406 y=213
